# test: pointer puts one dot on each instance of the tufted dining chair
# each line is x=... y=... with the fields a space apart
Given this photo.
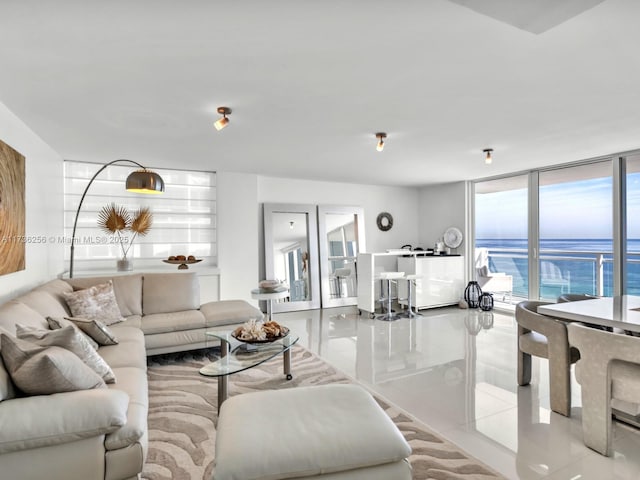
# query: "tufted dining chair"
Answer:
x=545 y=337
x=609 y=373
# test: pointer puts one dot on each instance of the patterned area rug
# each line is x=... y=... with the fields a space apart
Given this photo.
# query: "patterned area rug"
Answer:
x=183 y=415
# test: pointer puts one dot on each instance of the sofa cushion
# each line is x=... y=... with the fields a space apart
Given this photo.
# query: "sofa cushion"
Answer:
x=40 y=370
x=132 y=381
x=130 y=321
x=343 y=429
x=74 y=341
x=40 y=421
x=228 y=312
x=170 y=292
x=96 y=330
x=127 y=288
x=7 y=390
x=61 y=322
x=43 y=302
x=95 y=303
x=14 y=312
x=56 y=288
x=171 y=322
x=129 y=352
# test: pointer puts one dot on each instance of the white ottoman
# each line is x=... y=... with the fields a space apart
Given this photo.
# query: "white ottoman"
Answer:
x=333 y=432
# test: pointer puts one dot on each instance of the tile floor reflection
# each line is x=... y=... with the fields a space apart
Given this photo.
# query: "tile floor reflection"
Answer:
x=455 y=370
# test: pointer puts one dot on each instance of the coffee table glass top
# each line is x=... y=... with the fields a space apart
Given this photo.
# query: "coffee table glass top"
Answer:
x=242 y=356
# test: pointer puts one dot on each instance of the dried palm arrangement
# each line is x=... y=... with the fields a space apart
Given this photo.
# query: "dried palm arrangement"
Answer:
x=116 y=219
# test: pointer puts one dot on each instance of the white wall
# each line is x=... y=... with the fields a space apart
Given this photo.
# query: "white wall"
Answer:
x=240 y=235
x=238 y=221
x=442 y=206
x=400 y=202
x=44 y=207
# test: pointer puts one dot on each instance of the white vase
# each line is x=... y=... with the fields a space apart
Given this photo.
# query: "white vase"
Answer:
x=125 y=265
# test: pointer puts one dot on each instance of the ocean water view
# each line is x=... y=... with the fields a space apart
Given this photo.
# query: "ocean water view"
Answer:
x=566 y=265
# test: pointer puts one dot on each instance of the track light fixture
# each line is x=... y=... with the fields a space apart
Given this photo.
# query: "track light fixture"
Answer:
x=380 y=136
x=224 y=121
x=487 y=158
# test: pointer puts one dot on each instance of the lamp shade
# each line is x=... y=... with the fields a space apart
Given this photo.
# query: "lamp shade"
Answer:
x=145 y=181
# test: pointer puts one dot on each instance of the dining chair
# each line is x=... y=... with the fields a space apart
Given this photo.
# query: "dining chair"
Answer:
x=609 y=373
x=545 y=337
x=575 y=297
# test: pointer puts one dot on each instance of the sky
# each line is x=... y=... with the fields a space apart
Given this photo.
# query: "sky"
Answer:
x=581 y=209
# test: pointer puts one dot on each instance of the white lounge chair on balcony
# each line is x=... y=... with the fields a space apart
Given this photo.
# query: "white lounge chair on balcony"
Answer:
x=492 y=282
x=552 y=278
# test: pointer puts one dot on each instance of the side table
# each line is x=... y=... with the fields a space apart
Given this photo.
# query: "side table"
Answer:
x=269 y=296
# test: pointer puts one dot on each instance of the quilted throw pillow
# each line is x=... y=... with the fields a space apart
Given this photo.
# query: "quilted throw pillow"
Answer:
x=95 y=329
x=95 y=303
x=71 y=339
x=59 y=322
x=40 y=370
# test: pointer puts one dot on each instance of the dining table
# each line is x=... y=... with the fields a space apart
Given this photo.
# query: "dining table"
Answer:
x=622 y=311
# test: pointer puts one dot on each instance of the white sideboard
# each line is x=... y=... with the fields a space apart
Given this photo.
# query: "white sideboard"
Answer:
x=441 y=282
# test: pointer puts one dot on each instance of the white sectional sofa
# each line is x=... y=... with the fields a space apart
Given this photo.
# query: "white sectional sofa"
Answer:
x=101 y=433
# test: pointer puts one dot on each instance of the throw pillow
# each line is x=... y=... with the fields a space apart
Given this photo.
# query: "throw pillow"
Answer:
x=40 y=370
x=95 y=303
x=59 y=322
x=71 y=339
x=95 y=329
x=6 y=385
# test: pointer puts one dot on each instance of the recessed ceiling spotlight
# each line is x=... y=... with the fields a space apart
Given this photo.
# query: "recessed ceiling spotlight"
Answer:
x=224 y=121
x=487 y=158
x=380 y=136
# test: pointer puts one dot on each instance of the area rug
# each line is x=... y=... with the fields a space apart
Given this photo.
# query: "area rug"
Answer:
x=183 y=415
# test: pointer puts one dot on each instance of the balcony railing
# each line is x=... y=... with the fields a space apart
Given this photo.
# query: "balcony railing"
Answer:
x=565 y=271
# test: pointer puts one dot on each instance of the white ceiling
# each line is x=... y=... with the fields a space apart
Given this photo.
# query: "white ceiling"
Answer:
x=310 y=82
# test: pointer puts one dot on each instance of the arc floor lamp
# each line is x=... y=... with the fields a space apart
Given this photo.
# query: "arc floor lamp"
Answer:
x=139 y=181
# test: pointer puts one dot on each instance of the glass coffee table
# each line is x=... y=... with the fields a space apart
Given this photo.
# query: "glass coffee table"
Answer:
x=237 y=356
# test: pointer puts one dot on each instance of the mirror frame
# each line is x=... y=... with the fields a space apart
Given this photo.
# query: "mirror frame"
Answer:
x=323 y=210
x=312 y=233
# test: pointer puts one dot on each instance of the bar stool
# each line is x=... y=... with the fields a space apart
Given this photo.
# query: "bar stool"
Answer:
x=411 y=282
x=388 y=278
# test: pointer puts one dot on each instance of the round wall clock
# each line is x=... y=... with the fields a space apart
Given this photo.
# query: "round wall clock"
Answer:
x=384 y=221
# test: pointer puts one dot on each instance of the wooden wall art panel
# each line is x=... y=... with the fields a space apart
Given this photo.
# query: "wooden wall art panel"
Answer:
x=12 y=210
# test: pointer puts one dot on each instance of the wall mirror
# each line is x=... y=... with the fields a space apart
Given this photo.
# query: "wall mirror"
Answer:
x=291 y=253
x=341 y=238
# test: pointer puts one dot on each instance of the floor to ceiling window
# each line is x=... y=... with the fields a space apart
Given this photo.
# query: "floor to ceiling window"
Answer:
x=576 y=230
x=501 y=208
x=633 y=224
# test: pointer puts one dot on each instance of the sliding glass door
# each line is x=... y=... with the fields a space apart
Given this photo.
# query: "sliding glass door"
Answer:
x=501 y=237
x=576 y=230
x=632 y=261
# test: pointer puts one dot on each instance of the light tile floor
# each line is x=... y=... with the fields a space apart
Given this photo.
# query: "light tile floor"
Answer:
x=455 y=370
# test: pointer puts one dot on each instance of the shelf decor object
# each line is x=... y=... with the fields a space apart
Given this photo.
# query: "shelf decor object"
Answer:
x=139 y=181
x=183 y=264
x=452 y=237
x=384 y=221
x=472 y=294
x=115 y=219
x=486 y=302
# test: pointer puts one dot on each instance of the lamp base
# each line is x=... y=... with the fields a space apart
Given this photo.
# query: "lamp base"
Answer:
x=125 y=265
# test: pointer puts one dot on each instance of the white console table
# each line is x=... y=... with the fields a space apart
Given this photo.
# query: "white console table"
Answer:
x=442 y=280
